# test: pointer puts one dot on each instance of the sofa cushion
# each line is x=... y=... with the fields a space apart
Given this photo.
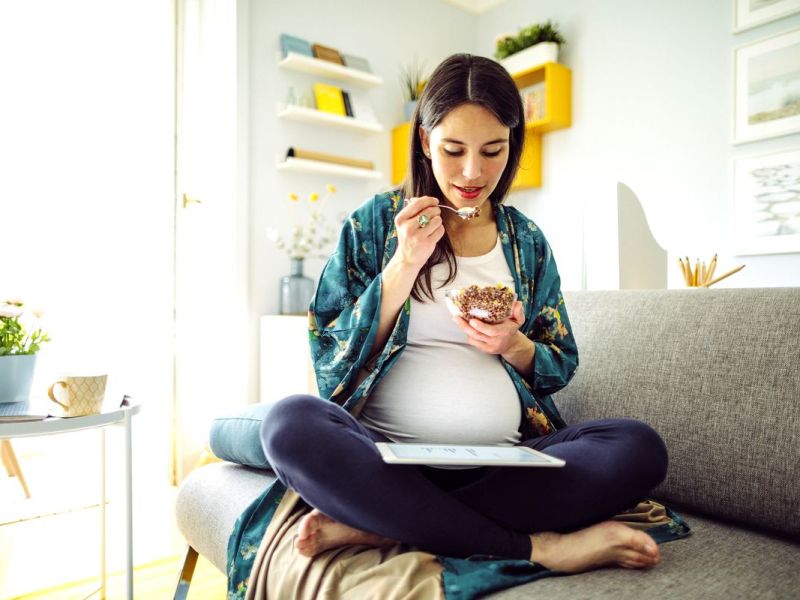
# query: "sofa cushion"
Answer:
x=236 y=437
x=717 y=561
x=716 y=373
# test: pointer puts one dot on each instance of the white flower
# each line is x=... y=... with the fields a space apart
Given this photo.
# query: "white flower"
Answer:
x=11 y=311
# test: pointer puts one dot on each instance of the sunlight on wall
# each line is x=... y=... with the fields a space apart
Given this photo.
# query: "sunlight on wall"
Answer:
x=86 y=195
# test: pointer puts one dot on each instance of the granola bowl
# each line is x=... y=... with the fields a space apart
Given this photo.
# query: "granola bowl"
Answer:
x=490 y=304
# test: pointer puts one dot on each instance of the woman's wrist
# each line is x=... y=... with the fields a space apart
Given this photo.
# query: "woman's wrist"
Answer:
x=520 y=354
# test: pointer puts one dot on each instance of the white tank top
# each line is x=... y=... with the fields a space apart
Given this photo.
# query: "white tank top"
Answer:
x=441 y=390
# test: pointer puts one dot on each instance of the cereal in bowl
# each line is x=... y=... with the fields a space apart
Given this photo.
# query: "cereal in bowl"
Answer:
x=491 y=303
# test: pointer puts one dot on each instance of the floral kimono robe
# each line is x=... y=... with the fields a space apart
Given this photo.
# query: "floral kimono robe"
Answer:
x=343 y=321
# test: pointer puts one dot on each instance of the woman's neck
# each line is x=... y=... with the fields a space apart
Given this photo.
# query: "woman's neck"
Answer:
x=474 y=237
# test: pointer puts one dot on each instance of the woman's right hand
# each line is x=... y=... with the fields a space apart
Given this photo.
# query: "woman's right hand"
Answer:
x=415 y=243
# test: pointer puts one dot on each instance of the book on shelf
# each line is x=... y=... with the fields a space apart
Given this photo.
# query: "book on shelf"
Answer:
x=329 y=158
x=356 y=62
x=362 y=107
x=533 y=101
x=290 y=43
x=329 y=99
x=348 y=108
x=329 y=54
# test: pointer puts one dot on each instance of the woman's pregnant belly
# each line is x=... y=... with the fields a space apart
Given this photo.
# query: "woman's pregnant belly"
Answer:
x=445 y=393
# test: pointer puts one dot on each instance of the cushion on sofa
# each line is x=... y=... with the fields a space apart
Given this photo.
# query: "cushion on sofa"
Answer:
x=235 y=437
x=716 y=373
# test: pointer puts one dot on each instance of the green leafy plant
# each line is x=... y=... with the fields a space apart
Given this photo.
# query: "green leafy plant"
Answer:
x=15 y=324
x=412 y=80
x=507 y=44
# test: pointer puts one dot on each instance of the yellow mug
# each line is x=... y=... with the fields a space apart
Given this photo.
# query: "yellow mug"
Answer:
x=80 y=395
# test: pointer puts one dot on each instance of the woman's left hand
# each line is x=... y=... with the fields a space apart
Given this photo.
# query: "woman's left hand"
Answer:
x=494 y=338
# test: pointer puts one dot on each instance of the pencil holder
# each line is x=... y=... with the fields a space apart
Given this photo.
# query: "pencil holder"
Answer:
x=702 y=275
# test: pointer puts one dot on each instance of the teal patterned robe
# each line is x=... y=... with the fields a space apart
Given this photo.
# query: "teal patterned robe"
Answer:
x=343 y=322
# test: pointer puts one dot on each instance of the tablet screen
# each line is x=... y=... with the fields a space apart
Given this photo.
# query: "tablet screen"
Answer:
x=455 y=454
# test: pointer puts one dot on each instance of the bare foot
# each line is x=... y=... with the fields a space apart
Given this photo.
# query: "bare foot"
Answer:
x=606 y=544
x=318 y=532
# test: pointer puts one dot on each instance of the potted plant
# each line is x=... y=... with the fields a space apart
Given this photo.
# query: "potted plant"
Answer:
x=412 y=80
x=19 y=343
x=532 y=46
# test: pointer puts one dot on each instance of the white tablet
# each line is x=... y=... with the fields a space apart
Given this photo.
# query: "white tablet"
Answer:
x=451 y=454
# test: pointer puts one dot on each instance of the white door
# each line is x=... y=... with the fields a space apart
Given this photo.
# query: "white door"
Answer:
x=211 y=232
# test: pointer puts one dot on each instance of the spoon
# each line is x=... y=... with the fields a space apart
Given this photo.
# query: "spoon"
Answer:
x=465 y=212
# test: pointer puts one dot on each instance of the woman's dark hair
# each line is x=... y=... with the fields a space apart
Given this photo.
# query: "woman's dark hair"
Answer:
x=461 y=79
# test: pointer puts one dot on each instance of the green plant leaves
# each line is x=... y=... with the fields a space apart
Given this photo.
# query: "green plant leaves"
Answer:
x=527 y=37
x=15 y=340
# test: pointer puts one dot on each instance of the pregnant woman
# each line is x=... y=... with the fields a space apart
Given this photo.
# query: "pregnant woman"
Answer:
x=394 y=365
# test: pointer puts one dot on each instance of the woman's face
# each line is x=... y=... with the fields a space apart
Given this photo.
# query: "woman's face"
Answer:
x=468 y=151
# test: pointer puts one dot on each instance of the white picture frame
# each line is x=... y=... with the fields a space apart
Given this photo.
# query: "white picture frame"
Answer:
x=767 y=203
x=767 y=88
x=751 y=13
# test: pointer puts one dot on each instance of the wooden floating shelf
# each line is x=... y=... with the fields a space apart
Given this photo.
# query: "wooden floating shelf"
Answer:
x=316 y=66
x=303 y=165
x=319 y=117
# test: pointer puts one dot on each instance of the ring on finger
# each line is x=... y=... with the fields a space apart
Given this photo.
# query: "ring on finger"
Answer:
x=423 y=221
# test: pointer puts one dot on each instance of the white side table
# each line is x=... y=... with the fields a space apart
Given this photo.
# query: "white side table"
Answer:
x=120 y=416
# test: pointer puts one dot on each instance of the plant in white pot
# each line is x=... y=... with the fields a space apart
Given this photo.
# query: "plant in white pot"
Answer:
x=412 y=79
x=532 y=46
x=19 y=343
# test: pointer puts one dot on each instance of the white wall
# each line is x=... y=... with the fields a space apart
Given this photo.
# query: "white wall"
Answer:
x=388 y=35
x=86 y=230
x=652 y=108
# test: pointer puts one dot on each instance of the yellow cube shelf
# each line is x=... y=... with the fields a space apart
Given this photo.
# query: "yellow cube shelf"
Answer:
x=400 y=142
x=557 y=115
x=529 y=174
x=557 y=96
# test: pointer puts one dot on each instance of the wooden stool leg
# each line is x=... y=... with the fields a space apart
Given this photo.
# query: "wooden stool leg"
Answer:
x=6 y=461
x=12 y=466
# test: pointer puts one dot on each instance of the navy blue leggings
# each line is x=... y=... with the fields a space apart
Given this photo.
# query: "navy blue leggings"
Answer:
x=319 y=450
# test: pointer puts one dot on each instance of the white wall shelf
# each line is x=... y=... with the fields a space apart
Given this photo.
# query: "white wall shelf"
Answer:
x=316 y=66
x=304 y=165
x=318 y=117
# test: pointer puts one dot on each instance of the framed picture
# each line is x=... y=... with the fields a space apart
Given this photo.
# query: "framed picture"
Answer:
x=767 y=94
x=767 y=203
x=749 y=13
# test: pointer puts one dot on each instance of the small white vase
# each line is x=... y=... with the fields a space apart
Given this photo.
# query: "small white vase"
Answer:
x=531 y=57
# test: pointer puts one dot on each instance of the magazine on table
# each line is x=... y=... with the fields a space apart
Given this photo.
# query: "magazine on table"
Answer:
x=28 y=410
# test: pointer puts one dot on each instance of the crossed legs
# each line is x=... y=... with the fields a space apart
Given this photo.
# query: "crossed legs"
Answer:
x=323 y=453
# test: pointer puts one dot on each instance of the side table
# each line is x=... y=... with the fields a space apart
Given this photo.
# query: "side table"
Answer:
x=121 y=416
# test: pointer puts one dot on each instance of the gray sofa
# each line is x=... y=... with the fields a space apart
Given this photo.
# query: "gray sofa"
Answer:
x=717 y=373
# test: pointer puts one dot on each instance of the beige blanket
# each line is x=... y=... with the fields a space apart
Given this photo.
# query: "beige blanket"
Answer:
x=398 y=572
